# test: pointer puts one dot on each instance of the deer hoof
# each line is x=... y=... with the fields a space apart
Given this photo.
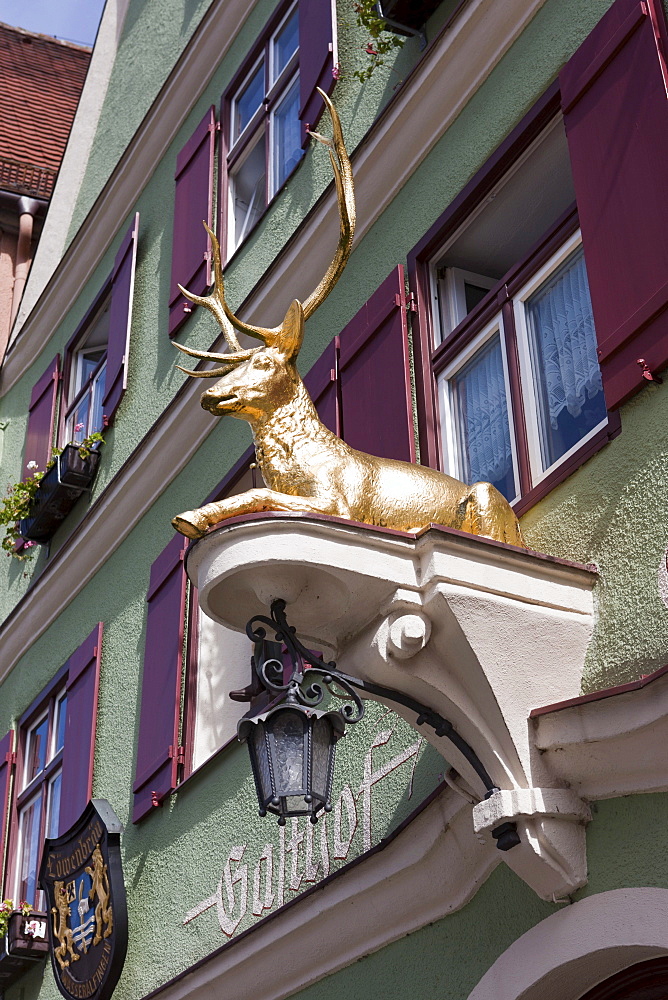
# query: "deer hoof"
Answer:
x=191 y=524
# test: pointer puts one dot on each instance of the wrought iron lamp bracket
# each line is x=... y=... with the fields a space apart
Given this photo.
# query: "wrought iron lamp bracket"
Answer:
x=298 y=687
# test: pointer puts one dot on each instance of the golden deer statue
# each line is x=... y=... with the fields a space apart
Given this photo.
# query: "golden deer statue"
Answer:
x=305 y=466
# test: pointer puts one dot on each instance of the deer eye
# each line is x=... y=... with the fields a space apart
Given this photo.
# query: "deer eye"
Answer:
x=262 y=362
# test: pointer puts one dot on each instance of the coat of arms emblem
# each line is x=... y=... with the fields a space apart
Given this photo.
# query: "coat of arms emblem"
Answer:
x=82 y=877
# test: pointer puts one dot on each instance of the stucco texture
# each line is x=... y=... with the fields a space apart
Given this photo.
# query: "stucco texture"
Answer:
x=612 y=512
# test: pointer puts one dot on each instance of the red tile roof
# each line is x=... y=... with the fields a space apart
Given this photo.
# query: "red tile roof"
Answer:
x=40 y=83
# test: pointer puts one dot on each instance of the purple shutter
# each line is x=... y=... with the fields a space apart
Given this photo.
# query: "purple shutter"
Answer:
x=83 y=680
x=193 y=203
x=321 y=383
x=615 y=107
x=317 y=59
x=157 y=748
x=374 y=375
x=41 y=414
x=6 y=764
x=120 y=319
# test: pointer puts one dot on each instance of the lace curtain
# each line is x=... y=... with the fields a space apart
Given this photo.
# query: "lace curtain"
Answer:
x=482 y=411
x=563 y=337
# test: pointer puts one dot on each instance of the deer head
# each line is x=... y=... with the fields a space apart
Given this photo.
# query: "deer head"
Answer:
x=266 y=376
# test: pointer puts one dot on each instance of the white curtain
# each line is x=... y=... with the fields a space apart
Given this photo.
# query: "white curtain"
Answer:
x=563 y=331
x=482 y=410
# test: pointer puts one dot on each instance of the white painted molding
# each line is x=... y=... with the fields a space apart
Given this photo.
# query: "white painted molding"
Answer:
x=573 y=950
x=611 y=746
x=450 y=72
x=430 y=869
x=491 y=629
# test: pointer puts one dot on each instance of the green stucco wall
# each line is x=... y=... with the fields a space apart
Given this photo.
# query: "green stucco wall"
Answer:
x=611 y=512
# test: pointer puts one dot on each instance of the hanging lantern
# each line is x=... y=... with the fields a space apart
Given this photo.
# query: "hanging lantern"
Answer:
x=292 y=742
x=292 y=750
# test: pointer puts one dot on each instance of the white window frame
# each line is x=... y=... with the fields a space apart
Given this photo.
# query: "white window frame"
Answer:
x=262 y=123
x=77 y=390
x=532 y=419
x=453 y=290
x=452 y=459
x=40 y=784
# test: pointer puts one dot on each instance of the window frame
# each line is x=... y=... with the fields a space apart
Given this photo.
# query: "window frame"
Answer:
x=432 y=357
x=45 y=702
x=232 y=153
x=227 y=487
x=526 y=364
x=74 y=346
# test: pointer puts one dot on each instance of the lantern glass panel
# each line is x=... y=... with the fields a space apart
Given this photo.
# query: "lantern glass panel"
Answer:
x=261 y=753
x=289 y=747
x=322 y=741
x=295 y=805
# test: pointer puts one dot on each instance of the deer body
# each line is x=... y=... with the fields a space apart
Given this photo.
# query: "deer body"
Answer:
x=305 y=466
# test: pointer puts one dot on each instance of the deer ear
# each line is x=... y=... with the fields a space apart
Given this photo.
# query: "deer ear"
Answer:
x=289 y=340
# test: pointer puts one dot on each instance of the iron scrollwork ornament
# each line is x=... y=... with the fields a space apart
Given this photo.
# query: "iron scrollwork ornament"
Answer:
x=301 y=686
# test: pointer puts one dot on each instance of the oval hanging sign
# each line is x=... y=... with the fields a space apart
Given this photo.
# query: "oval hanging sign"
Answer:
x=82 y=876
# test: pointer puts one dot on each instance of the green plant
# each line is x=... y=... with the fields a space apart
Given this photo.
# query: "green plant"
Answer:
x=86 y=446
x=7 y=908
x=16 y=504
x=381 y=43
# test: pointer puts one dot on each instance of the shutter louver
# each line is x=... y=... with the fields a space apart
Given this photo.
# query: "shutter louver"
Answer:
x=161 y=683
x=193 y=202
x=41 y=415
x=317 y=59
x=615 y=105
x=83 y=680
x=6 y=765
x=120 y=319
x=374 y=375
x=321 y=383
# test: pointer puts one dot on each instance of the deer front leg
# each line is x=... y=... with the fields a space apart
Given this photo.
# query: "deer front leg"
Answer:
x=194 y=523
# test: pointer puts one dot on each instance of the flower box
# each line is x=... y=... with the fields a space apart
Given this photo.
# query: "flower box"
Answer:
x=26 y=942
x=58 y=491
x=409 y=13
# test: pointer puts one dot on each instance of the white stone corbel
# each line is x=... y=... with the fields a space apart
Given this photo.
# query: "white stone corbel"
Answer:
x=551 y=855
x=477 y=632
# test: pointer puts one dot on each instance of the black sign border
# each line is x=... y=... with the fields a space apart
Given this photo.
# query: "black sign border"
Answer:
x=96 y=809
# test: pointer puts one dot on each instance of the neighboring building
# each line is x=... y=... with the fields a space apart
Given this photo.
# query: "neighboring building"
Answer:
x=502 y=318
x=41 y=79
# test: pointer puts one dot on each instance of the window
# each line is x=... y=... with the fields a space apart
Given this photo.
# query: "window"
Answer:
x=38 y=800
x=95 y=366
x=87 y=377
x=190 y=665
x=264 y=130
x=561 y=405
x=218 y=661
x=508 y=345
x=53 y=766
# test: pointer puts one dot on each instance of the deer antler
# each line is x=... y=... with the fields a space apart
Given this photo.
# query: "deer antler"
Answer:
x=345 y=193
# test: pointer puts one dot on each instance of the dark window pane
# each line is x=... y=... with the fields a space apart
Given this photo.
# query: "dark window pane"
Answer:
x=285 y=44
x=248 y=101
